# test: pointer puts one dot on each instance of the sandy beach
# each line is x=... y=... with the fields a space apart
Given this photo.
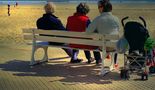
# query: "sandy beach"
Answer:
x=25 y=16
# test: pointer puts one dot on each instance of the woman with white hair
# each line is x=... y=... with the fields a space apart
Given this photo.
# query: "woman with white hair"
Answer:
x=51 y=22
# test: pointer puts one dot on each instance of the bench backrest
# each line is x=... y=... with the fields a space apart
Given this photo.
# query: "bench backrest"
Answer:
x=70 y=37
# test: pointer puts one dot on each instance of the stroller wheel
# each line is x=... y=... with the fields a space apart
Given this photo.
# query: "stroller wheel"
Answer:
x=124 y=74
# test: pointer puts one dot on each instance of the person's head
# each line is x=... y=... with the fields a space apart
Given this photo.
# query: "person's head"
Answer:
x=104 y=6
x=49 y=7
x=82 y=8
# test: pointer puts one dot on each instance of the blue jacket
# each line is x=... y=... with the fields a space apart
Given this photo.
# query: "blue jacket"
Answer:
x=49 y=22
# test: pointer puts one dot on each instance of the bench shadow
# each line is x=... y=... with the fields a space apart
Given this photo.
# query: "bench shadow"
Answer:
x=59 y=58
x=139 y=79
x=71 y=73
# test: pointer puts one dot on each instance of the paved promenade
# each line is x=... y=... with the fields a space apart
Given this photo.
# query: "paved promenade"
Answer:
x=58 y=74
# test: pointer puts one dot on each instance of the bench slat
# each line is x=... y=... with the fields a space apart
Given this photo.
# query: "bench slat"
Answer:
x=28 y=30
x=111 y=44
x=40 y=43
x=71 y=40
x=72 y=34
x=111 y=37
x=68 y=34
x=64 y=40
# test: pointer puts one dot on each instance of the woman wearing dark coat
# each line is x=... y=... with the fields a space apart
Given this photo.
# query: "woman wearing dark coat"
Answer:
x=51 y=22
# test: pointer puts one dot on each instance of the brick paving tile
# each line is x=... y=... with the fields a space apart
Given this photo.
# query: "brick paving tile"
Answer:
x=15 y=74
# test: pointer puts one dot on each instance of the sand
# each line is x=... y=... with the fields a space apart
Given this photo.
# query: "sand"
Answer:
x=25 y=16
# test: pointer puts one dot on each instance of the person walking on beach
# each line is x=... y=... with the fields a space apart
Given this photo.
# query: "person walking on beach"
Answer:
x=16 y=4
x=51 y=22
x=8 y=9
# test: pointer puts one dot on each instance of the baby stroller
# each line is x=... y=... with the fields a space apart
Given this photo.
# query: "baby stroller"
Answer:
x=135 y=59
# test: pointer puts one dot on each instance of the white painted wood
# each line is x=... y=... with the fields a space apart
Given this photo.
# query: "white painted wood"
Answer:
x=63 y=46
x=71 y=34
x=72 y=40
x=63 y=33
x=111 y=37
x=69 y=37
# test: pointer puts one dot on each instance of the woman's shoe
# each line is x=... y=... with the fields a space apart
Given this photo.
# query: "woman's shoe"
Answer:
x=90 y=60
x=98 y=62
x=76 y=61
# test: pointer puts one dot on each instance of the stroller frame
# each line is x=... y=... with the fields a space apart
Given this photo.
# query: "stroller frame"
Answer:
x=135 y=63
x=133 y=59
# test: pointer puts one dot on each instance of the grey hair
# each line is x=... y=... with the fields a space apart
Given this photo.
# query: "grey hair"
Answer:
x=106 y=4
x=49 y=7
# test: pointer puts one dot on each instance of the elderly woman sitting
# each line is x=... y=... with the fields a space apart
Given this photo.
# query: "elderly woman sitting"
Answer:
x=51 y=22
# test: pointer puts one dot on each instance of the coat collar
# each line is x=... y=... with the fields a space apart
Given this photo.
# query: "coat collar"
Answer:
x=49 y=14
x=106 y=13
x=78 y=14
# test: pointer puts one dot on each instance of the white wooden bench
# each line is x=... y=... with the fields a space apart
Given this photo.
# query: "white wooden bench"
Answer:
x=67 y=37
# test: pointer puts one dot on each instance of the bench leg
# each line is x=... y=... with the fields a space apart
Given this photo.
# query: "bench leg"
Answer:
x=33 y=62
x=104 y=70
x=45 y=58
x=112 y=61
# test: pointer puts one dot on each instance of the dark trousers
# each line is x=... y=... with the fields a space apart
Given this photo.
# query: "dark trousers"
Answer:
x=74 y=54
x=68 y=51
x=87 y=54
x=115 y=58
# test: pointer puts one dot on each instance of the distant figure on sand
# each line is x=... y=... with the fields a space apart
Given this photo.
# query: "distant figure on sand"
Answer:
x=16 y=4
x=8 y=9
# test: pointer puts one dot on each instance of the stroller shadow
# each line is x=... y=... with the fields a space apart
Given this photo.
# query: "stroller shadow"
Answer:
x=71 y=73
x=139 y=79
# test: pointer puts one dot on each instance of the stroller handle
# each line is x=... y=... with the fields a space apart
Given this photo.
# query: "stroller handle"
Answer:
x=123 y=20
x=143 y=21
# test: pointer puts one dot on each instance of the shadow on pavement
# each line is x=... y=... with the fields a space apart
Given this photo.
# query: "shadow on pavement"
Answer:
x=71 y=73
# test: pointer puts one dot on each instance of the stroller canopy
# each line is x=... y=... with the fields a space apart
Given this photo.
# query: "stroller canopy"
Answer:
x=136 y=35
